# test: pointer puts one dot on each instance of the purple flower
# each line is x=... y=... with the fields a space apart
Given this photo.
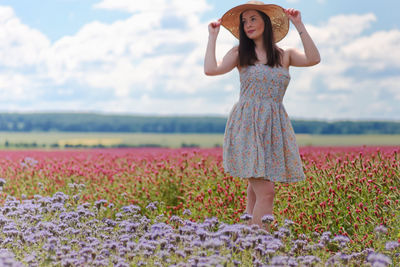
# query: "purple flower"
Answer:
x=246 y=217
x=325 y=238
x=391 y=245
x=2 y=181
x=131 y=209
x=76 y=198
x=213 y=244
x=380 y=229
x=299 y=244
x=202 y=234
x=176 y=219
x=341 y=239
x=88 y=251
x=59 y=197
x=187 y=212
x=377 y=258
x=152 y=205
x=7 y=259
x=283 y=261
x=274 y=244
x=308 y=260
x=288 y=222
x=211 y=222
x=163 y=255
x=268 y=218
x=284 y=231
x=110 y=222
x=100 y=203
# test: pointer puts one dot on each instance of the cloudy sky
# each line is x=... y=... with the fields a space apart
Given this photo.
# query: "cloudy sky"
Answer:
x=146 y=57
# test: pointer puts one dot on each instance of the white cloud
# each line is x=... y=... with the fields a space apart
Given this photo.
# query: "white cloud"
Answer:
x=13 y=86
x=136 y=53
x=341 y=29
x=375 y=52
x=173 y=7
x=20 y=45
x=352 y=79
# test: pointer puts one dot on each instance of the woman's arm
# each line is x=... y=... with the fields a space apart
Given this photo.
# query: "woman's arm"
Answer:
x=230 y=60
x=311 y=55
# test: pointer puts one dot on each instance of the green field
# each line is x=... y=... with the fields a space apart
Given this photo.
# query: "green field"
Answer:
x=63 y=139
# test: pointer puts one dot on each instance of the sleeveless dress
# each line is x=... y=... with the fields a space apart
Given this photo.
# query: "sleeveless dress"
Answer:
x=259 y=140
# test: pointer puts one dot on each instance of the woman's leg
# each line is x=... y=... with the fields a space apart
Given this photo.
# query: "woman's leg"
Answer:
x=251 y=199
x=264 y=191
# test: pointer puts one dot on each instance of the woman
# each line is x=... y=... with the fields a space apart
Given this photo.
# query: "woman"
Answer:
x=259 y=141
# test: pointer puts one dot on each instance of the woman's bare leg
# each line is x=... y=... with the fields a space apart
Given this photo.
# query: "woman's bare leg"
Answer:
x=265 y=192
x=251 y=199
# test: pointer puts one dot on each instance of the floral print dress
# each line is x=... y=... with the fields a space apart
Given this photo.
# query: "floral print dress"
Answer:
x=259 y=140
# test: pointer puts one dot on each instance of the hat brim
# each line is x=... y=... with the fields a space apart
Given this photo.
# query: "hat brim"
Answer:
x=280 y=22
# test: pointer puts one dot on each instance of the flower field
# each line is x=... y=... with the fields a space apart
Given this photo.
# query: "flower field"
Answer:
x=177 y=207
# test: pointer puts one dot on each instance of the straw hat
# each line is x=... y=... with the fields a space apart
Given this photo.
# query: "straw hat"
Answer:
x=280 y=22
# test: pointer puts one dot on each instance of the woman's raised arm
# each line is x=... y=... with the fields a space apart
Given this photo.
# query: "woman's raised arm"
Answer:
x=230 y=60
x=311 y=55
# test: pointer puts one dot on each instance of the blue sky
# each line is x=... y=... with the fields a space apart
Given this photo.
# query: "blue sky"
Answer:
x=146 y=57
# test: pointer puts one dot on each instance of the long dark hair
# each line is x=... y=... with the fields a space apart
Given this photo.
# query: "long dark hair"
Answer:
x=247 y=52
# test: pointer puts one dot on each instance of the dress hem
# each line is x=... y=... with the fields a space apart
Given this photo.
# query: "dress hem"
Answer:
x=268 y=179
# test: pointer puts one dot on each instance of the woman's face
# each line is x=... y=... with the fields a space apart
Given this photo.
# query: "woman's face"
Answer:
x=253 y=24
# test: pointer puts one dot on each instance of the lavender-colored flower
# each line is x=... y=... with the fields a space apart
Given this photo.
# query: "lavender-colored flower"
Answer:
x=187 y=212
x=110 y=223
x=288 y=222
x=299 y=244
x=76 y=198
x=308 y=260
x=274 y=244
x=255 y=228
x=131 y=209
x=213 y=244
x=246 y=217
x=381 y=229
x=211 y=222
x=283 y=261
x=268 y=218
x=2 y=181
x=176 y=219
x=152 y=206
x=7 y=259
x=391 y=245
x=202 y=234
x=377 y=258
x=341 y=239
x=325 y=238
x=163 y=255
x=284 y=231
x=100 y=203
x=88 y=252
x=59 y=197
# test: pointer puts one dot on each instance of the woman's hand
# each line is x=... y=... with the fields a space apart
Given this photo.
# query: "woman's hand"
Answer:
x=213 y=27
x=294 y=15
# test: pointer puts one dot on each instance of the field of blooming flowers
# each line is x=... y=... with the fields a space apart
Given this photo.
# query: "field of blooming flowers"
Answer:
x=177 y=207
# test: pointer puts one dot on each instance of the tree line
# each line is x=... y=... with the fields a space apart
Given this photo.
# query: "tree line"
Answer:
x=93 y=122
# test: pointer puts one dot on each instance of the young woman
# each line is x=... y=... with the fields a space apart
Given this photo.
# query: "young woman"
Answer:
x=259 y=141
